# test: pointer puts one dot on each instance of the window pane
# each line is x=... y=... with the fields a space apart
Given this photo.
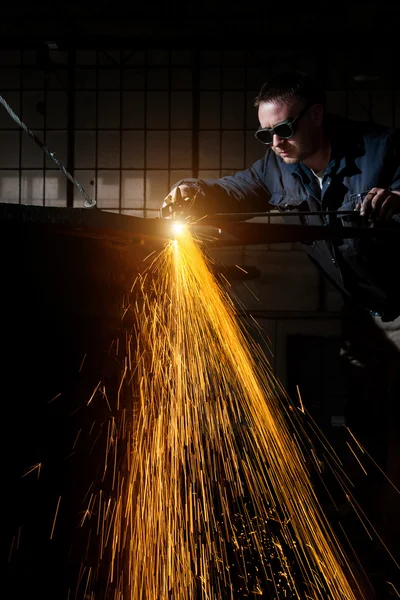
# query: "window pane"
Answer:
x=209 y=174
x=10 y=57
x=209 y=149
x=132 y=189
x=232 y=110
x=32 y=155
x=108 y=149
x=33 y=110
x=233 y=78
x=85 y=79
x=133 y=79
x=210 y=110
x=232 y=58
x=109 y=79
x=255 y=78
x=156 y=188
x=157 y=110
x=32 y=187
x=85 y=110
x=210 y=78
x=210 y=57
x=57 y=80
x=85 y=57
x=108 y=189
x=181 y=78
x=181 y=110
x=181 y=149
x=32 y=78
x=55 y=189
x=109 y=109
x=157 y=79
x=136 y=57
x=56 y=110
x=181 y=57
x=133 y=149
x=109 y=57
x=157 y=149
x=9 y=186
x=133 y=110
x=10 y=79
x=85 y=149
x=157 y=57
x=9 y=149
x=232 y=150
x=178 y=174
x=254 y=150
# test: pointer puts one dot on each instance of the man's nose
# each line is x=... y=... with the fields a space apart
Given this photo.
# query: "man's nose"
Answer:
x=276 y=140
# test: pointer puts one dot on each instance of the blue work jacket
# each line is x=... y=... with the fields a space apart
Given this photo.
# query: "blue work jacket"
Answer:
x=364 y=155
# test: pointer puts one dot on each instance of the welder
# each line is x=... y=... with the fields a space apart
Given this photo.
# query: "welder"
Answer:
x=319 y=163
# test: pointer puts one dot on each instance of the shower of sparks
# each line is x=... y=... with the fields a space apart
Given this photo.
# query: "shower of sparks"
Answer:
x=213 y=499
x=83 y=360
x=373 y=461
x=55 y=398
x=55 y=518
x=394 y=588
x=37 y=467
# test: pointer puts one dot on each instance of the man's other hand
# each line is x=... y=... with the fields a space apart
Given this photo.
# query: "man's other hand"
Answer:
x=380 y=204
x=178 y=201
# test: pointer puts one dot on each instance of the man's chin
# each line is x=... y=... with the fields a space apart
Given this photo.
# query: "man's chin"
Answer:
x=289 y=160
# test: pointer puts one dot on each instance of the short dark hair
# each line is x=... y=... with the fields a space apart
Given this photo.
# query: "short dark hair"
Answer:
x=288 y=85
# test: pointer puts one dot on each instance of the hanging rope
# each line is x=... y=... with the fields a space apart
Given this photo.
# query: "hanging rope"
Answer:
x=89 y=202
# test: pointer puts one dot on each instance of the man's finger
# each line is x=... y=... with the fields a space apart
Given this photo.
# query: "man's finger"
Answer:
x=378 y=200
x=366 y=204
x=386 y=210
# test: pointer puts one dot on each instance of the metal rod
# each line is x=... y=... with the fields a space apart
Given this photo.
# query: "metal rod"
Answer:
x=289 y=213
x=89 y=202
x=245 y=233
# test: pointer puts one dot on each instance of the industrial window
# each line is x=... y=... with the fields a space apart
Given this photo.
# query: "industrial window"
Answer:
x=128 y=124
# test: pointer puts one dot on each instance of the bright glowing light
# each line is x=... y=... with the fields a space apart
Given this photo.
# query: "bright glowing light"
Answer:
x=178 y=228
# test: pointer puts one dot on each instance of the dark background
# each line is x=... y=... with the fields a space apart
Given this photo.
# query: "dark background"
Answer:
x=132 y=98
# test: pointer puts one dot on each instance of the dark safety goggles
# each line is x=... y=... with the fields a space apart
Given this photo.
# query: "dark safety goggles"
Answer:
x=284 y=130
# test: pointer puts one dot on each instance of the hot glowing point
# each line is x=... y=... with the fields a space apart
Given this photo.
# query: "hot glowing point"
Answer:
x=178 y=228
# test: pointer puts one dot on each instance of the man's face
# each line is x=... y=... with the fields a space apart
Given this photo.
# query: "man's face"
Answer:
x=307 y=137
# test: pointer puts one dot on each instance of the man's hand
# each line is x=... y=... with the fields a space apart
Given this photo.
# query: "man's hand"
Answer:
x=179 y=199
x=380 y=204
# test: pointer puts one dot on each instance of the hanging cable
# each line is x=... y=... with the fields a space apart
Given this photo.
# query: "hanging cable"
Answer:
x=89 y=202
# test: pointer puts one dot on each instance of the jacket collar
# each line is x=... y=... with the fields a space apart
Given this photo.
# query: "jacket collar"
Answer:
x=347 y=145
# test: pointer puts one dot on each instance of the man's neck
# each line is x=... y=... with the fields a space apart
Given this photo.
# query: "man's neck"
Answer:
x=320 y=159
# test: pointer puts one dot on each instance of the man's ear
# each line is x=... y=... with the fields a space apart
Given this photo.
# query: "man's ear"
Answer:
x=317 y=112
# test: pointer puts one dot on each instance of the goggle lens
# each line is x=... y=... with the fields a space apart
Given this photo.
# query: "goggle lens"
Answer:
x=284 y=131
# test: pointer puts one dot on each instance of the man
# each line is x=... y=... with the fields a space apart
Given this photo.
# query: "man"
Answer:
x=317 y=163
x=314 y=163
